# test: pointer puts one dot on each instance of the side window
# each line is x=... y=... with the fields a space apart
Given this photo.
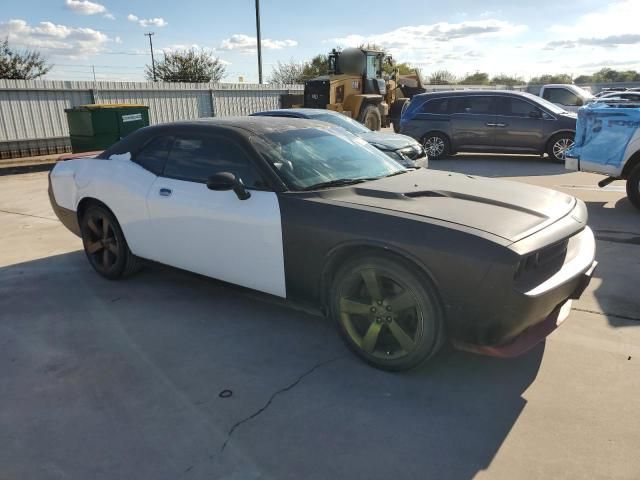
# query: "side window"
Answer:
x=561 y=96
x=196 y=158
x=473 y=104
x=438 y=106
x=154 y=154
x=514 y=107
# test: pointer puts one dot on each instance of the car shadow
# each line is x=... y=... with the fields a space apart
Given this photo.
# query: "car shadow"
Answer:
x=488 y=165
x=616 y=226
x=102 y=379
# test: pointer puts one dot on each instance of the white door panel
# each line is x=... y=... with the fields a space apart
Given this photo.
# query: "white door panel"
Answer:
x=123 y=186
x=216 y=234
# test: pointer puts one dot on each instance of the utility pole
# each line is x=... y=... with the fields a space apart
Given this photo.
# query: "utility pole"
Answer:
x=93 y=69
x=259 y=41
x=153 y=62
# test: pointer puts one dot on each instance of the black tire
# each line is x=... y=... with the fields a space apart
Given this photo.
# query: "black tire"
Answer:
x=437 y=145
x=370 y=117
x=399 y=329
x=558 y=145
x=633 y=186
x=105 y=245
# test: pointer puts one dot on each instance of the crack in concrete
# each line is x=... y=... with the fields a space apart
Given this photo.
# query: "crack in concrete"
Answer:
x=273 y=396
x=28 y=215
x=595 y=312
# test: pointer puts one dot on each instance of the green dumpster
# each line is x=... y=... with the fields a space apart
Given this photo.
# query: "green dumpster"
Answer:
x=98 y=126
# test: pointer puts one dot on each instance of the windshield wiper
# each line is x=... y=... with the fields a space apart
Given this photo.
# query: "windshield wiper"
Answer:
x=341 y=182
x=399 y=172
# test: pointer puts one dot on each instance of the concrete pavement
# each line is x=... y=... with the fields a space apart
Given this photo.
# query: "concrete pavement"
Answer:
x=107 y=380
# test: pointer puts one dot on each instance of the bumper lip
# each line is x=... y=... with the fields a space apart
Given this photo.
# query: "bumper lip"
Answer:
x=533 y=335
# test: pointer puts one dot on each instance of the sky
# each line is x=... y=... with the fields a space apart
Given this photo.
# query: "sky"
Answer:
x=515 y=37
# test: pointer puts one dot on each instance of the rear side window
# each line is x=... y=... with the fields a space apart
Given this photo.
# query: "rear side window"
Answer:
x=561 y=96
x=438 y=106
x=196 y=158
x=514 y=107
x=154 y=154
x=472 y=104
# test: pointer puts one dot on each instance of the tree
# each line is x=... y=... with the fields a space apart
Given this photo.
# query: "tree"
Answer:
x=478 y=78
x=507 y=80
x=318 y=65
x=442 y=77
x=26 y=65
x=287 y=73
x=194 y=66
x=551 y=78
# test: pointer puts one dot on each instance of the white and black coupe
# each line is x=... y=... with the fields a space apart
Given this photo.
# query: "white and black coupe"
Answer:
x=401 y=258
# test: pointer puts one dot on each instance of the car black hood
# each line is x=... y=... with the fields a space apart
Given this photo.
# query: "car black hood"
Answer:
x=509 y=210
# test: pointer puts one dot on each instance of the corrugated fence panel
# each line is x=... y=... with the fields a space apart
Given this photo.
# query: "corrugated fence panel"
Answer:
x=33 y=122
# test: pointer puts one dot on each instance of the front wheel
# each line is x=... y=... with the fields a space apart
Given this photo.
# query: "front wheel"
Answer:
x=559 y=145
x=633 y=187
x=105 y=245
x=436 y=145
x=386 y=313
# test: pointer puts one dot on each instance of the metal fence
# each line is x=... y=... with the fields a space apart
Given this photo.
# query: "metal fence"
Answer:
x=33 y=122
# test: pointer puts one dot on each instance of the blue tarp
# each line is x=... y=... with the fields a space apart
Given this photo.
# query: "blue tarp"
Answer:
x=603 y=133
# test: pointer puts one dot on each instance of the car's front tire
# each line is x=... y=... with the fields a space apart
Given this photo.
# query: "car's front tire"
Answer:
x=105 y=245
x=633 y=186
x=437 y=145
x=387 y=313
x=558 y=146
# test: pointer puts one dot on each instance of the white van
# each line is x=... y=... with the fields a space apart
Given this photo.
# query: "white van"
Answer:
x=569 y=97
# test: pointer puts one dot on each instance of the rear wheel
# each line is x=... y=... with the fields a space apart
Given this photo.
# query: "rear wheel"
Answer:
x=633 y=186
x=437 y=145
x=370 y=117
x=559 y=145
x=386 y=313
x=105 y=245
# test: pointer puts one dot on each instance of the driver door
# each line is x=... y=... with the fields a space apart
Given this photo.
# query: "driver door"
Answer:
x=214 y=233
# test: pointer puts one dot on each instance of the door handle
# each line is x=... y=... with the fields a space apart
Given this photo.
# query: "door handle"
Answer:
x=491 y=124
x=165 y=192
x=501 y=124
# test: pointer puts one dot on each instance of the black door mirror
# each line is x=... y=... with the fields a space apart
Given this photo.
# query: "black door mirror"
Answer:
x=535 y=114
x=223 y=181
x=579 y=102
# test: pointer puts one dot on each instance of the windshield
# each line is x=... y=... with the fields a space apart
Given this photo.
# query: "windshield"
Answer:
x=545 y=103
x=343 y=121
x=306 y=157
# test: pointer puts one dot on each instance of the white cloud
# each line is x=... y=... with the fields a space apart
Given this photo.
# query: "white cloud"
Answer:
x=85 y=7
x=148 y=22
x=53 y=38
x=616 y=18
x=153 y=22
x=247 y=44
x=109 y=16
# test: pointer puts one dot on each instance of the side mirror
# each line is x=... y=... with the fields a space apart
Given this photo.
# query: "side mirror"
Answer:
x=579 y=102
x=223 y=181
x=535 y=114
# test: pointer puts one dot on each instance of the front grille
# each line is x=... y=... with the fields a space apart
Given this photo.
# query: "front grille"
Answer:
x=538 y=266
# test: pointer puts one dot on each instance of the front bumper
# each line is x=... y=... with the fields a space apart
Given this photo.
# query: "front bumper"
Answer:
x=518 y=316
x=534 y=334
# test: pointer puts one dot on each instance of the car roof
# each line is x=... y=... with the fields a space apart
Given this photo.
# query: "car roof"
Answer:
x=300 y=112
x=464 y=93
x=252 y=124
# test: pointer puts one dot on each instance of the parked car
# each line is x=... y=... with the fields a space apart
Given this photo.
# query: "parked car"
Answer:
x=567 y=96
x=608 y=142
x=488 y=121
x=399 y=257
x=608 y=90
x=399 y=147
